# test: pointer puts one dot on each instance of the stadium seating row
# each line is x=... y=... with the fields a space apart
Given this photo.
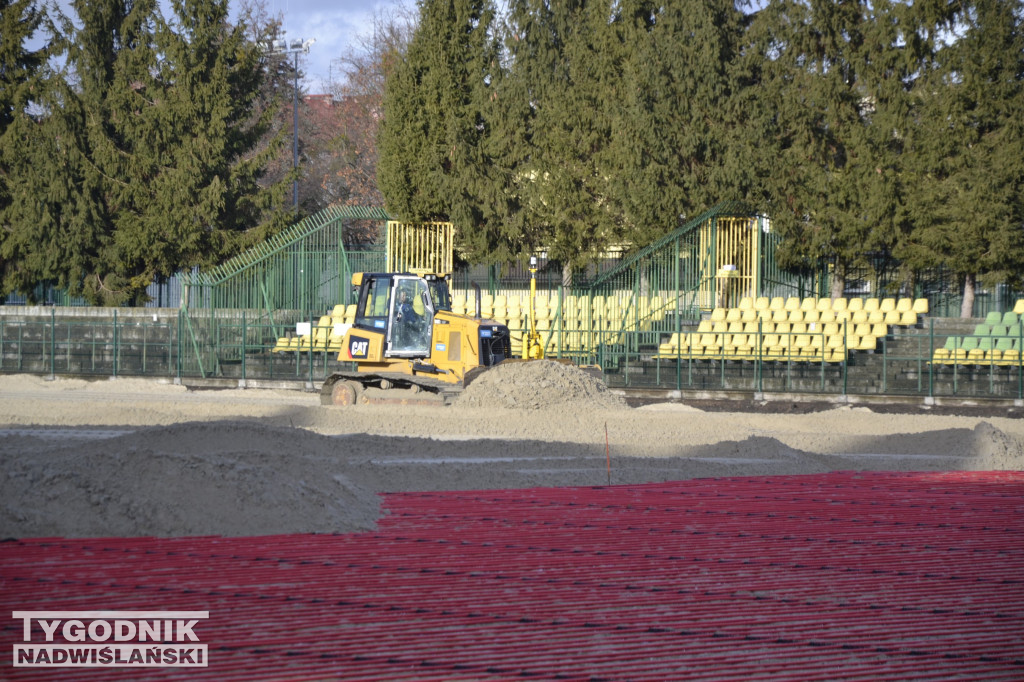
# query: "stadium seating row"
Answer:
x=999 y=341
x=785 y=341
x=326 y=335
x=907 y=318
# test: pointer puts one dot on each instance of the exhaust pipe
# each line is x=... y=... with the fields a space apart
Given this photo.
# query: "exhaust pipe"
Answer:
x=479 y=301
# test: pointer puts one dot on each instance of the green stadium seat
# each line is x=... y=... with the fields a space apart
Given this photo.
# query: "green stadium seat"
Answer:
x=993 y=318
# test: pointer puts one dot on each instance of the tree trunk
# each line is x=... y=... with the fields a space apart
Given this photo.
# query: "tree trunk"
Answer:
x=838 y=281
x=967 y=306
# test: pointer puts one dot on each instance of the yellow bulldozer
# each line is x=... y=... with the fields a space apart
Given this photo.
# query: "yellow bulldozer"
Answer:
x=405 y=335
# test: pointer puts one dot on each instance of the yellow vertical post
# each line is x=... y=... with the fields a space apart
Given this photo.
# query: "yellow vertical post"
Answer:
x=533 y=348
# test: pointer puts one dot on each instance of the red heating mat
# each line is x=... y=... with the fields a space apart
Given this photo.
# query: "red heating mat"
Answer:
x=836 y=576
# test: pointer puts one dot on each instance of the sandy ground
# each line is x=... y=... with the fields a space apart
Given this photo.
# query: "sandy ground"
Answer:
x=132 y=457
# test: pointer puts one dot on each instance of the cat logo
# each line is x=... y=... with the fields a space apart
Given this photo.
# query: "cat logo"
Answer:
x=358 y=348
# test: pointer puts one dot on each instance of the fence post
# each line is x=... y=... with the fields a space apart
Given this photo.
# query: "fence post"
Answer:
x=53 y=342
x=244 y=344
x=177 y=362
x=115 y=342
x=931 y=354
x=846 y=357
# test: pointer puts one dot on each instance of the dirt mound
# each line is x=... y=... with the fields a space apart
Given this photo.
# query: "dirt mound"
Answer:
x=189 y=479
x=537 y=385
x=996 y=450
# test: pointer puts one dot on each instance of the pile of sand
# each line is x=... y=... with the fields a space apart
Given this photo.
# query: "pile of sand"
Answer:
x=227 y=478
x=536 y=385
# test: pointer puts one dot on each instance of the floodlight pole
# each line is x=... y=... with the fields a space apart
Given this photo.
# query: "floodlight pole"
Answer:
x=294 y=47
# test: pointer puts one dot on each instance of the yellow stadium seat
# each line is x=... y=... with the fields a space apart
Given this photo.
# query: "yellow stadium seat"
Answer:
x=876 y=316
x=780 y=315
x=867 y=342
x=809 y=304
x=887 y=304
x=904 y=304
x=777 y=303
x=762 y=303
x=749 y=316
x=823 y=305
x=718 y=315
x=826 y=316
x=920 y=306
x=792 y=303
x=795 y=316
x=734 y=315
x=1018 y=307
x=338 y=311
x=285 y=344
x=746 y=303
x=836 y=342
x=908 y=319
x=871 y=304
x=811 y=316
x=855 y=304
x=893 y=317
x=839 y=305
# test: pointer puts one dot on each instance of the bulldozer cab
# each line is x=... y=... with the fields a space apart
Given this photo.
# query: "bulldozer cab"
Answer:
x=402 y=307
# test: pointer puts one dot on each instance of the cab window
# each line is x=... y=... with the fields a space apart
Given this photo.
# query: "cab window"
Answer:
x=374 y=305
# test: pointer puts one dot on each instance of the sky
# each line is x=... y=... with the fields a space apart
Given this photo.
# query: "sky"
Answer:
x=335 y=24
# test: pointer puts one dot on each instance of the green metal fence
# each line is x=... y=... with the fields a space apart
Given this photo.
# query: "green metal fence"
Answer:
x=260 y=295
x=127 y=343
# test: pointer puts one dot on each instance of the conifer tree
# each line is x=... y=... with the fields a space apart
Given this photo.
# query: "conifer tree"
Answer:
x=561 y=82
x=21 y=80
x=968 y=160
x=677 y=142
x=431 y=137
x=835 y=81
x=142 y=162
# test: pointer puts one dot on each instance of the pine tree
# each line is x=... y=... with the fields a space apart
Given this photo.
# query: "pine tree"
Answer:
x=561 y=101
x=837 y=72
x=969 y=151
x=675 y=140
x=142 y=162
x=433 y=125
x=21 y=81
